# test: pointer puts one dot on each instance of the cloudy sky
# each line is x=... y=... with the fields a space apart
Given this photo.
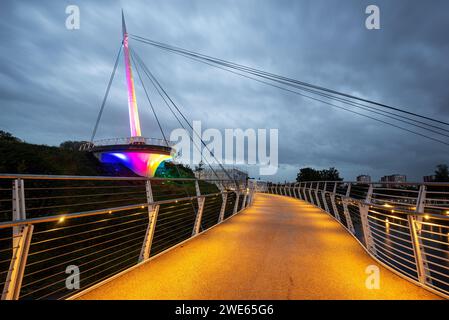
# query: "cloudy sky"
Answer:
x=52 y=80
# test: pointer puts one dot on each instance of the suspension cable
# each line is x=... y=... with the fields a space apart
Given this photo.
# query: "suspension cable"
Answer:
x=100 y=113
x=261 y=72
x=336 y=106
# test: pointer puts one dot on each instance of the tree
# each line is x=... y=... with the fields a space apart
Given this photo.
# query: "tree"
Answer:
x=71 y=145
x=8 y=137
x=330 y=174
x=310 y=174
x=442 y=173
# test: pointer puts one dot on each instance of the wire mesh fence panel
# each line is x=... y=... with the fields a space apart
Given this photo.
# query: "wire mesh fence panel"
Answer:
x=211 y=211
x=98 y=246
x=174 y=224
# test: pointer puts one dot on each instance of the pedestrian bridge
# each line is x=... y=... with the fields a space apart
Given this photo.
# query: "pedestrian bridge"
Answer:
x=279 y=248
x=152 y=238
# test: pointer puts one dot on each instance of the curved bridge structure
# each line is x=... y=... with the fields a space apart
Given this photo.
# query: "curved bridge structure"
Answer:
x=117 y=238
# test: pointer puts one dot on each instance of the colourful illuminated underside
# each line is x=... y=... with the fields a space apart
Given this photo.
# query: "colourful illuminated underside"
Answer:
x=142 y=163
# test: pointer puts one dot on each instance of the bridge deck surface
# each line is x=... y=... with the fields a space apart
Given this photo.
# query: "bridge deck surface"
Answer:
x=280 y=248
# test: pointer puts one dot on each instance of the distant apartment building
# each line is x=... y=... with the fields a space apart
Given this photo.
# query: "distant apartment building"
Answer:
x=430 y=178
x=364 y=178
x=394 y=178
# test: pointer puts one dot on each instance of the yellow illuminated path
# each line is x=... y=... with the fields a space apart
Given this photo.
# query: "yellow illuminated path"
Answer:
x=280 y=248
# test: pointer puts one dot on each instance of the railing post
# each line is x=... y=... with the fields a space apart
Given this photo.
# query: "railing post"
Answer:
x=300 y=189
x=323 y=195
x=316 y=195
x=20 y=244
x=198 y=191
x=223 y=206
x=289 y=189
x=334 y=207
x=237 y=198
x=364 y=212
x=199 y=215
x=153 y=211
x=310 y=194
x=415 y=230
x=346 y=210
x=244 y=200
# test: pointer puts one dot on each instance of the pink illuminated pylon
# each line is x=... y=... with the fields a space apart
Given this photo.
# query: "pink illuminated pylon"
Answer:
x=134 y=121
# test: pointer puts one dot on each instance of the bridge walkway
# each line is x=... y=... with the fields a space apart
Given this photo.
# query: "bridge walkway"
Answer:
x=279 y=248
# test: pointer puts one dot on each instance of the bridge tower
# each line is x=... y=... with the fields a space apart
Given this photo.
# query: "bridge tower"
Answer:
x=142 y=155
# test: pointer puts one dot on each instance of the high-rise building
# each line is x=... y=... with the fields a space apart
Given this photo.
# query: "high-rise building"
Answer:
x=364 y=178
x=400 y=178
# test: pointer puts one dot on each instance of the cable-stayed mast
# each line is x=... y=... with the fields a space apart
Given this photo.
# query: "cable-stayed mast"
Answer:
x=141 y=155
x=134 y=121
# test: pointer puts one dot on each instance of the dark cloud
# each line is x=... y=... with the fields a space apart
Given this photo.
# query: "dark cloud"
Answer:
x=52 y=80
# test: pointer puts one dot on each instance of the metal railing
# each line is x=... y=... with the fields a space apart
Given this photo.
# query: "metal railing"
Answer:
x=126 y=141
x=404 y=226
x=60 y=235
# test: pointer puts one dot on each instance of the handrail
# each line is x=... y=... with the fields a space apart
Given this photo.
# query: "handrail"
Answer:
x=93 y=178
x=126 y=141
x=34 y=221
x=100 y=228
x=415 y=224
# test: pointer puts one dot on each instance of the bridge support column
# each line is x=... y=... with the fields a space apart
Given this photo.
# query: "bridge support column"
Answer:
x=21 y=241
x=153 y=211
